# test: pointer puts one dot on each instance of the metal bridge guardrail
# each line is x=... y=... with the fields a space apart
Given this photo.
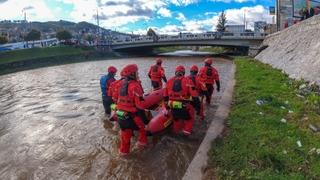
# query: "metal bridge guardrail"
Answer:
x=189 y=36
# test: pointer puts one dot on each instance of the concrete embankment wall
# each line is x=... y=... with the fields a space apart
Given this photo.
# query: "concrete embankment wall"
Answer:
x=295 y=50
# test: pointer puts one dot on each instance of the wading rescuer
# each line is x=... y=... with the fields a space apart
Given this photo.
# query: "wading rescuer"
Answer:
x=208 y=75
x=200 y=87
x=156 y=74
x=129 y=102
x=179 y=93
x=105 y=82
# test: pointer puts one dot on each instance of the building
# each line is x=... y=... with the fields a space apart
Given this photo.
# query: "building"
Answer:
x=259 y=26
x=270 y=28
x=235 y=28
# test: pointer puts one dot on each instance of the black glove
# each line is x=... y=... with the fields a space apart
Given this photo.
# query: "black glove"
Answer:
x=218 y=85
x=164 y=79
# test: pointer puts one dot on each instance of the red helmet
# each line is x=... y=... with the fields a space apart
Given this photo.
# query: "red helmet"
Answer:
x=208 y=61
x=194 y=68
x=122 y=73
x=129 y=70
x=112 y=69
x=180 y=68
x=159 y=61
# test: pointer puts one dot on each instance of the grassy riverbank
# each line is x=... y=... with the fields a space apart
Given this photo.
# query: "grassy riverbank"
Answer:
x=19 y=60
x=37 y=53
x=268 y=134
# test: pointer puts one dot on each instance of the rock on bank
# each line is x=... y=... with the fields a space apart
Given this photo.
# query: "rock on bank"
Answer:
x=295 y=50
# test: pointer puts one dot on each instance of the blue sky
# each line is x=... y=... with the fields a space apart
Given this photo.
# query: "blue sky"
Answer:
x=166 y=16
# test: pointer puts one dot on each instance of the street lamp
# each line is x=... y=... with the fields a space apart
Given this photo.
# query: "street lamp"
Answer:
x=278 y=14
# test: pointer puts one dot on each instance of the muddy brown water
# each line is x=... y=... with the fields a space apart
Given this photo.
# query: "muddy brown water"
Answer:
x=52 y=126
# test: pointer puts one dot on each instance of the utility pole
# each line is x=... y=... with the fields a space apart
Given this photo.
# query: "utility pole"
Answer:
x=98 y=23
x=278 y=14
x=244 y=19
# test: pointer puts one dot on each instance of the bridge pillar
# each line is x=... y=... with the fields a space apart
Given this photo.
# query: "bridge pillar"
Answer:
x=255 y=50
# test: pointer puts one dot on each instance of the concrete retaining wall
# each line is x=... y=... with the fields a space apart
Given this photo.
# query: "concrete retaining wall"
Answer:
x=295 y=50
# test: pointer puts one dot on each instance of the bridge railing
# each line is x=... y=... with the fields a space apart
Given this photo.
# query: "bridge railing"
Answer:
x=189 y=36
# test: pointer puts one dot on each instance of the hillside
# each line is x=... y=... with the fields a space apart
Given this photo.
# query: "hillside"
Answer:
x=49 y=29
x=295 y=50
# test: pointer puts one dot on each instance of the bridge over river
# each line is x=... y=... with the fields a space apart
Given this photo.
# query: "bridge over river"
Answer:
x=248 y=39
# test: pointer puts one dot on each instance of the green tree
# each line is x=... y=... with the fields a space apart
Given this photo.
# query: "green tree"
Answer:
x=89 y=38
x=153 y=34
x=33 y=35
x=64 y=35
x=221 y=26
x=3 y=40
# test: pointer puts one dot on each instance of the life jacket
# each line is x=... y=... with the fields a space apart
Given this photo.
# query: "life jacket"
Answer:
x=114 y=89
x=155 y=72
x=208 y=74
x=193 y=79
x=126 y=98
x=178 y=89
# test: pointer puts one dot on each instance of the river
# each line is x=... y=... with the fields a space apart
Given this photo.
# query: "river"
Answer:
x=52 y=125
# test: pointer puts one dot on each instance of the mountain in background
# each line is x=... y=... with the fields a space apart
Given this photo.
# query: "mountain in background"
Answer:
x=16 y=30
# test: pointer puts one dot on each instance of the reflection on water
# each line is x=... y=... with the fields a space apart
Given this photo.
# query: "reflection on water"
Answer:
x=52 y=126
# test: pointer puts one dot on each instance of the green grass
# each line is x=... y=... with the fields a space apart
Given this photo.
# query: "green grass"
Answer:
x=37 y=53
x=169 y=49
x=257 y=144
x=216 y=50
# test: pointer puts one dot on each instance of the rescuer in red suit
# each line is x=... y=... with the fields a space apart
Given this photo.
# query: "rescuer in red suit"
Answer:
x=178 y=95
x=208 y=75
x=199 y=87
x=156 y=74
x=129 y=101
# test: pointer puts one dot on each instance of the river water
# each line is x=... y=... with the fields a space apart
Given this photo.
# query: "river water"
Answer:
x=52 y=126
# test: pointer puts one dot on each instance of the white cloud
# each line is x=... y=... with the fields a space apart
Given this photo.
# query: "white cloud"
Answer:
x=183 y=2
x=164 y=12
x=120 y=20
x=181 y=17
x=35 y=10
x=256 y=13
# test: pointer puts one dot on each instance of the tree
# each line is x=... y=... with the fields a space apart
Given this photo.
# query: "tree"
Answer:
x=153 y=34
x=221 y=26
x=89 y=38
x=64 y=35
x=33 y=35
x=3 y=40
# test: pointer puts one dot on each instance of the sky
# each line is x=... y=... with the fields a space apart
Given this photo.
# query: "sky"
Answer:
x=136 y=16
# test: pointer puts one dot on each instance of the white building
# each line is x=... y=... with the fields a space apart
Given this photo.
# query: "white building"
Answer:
x=235 y=28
